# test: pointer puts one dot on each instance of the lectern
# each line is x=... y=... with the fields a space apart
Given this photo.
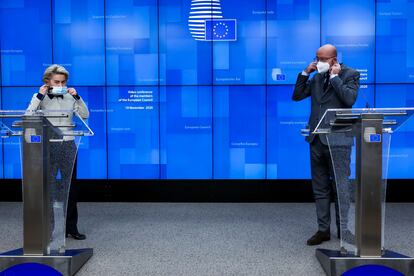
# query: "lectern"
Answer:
x=365 y=134
x=49 y=141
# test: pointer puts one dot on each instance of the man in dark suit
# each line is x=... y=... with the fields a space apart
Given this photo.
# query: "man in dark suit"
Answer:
x=334 y=86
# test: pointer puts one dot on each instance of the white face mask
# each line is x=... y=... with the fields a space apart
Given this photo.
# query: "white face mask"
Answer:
x=322 y=67
x=59 y=90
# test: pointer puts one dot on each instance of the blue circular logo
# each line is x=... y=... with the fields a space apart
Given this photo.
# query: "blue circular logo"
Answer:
x=32 y=269
x=372 y=270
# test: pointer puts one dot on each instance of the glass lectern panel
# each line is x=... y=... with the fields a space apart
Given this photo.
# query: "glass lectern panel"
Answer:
x=9 y=123
x=62 y=156
x=344 y=118
x=50 y=139
x=343 y=128
x=66 y=122
x=342 y=149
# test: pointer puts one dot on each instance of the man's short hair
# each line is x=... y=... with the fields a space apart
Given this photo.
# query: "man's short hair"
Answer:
x=52 y=70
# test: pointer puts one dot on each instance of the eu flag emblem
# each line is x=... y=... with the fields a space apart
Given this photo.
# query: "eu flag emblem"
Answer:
x=35 y=139
x=221 y=29
x=280 y=77
x=375 y=138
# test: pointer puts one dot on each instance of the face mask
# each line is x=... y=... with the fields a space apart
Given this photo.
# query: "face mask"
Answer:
x=59 y=90
x=322 y=67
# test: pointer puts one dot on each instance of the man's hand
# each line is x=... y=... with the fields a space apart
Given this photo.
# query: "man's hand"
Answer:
x=335 y=69
x=43 y=89
x=72 y=91
x=311 y=67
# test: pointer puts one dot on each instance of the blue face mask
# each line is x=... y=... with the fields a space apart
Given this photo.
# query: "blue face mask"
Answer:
x=59 y=90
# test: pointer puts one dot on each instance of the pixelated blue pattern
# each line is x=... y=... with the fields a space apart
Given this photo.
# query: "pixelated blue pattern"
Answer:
x=186 y=132
x=293 y=35
x=395 y=41
x=132 y=42
x=239 y=132
x=182 y=59
x=25 y=41
x=78 y=40
x=350 y=25
x=133 y=132
x=167 y=106
x=92 y=156
x=402 y=143
x=245 y=59
x=286 y=148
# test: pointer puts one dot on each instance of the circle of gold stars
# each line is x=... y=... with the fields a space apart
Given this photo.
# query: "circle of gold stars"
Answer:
x=220 y=24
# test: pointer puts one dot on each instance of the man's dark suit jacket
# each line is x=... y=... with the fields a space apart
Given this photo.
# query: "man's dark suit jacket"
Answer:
x=341 y=92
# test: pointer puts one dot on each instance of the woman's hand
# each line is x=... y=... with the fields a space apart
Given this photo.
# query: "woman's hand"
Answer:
x=43 y=89
x=72 y=91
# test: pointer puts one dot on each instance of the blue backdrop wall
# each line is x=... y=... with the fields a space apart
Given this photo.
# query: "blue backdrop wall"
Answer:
x=175 y=95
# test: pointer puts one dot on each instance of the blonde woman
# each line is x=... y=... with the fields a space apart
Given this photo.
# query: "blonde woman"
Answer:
x=55 y=95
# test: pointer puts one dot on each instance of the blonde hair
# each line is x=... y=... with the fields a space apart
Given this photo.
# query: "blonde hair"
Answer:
x=52 y=70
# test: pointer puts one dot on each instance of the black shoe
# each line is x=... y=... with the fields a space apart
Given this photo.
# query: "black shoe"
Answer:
x=76 y=236
x=319 y=238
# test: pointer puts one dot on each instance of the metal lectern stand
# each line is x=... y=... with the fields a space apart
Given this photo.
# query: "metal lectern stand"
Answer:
x=361 y=201
x=44 y=206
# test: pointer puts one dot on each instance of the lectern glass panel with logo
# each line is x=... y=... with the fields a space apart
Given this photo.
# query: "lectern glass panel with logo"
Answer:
x=359 y=143
x=48 y=141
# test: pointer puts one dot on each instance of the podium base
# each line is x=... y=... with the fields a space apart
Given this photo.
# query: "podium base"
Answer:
x=334 y=263
x=68 y=263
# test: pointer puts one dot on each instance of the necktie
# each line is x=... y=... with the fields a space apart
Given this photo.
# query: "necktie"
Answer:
x=326 y=82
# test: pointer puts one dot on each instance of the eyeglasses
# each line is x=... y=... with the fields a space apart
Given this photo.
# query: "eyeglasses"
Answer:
x=323 y=59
